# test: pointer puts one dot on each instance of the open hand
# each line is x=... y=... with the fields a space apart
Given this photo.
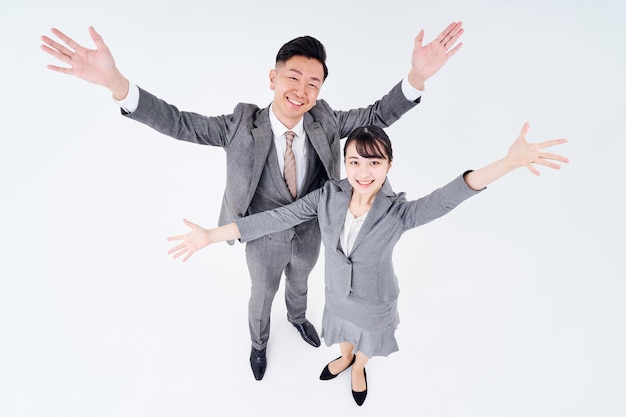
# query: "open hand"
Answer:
x=96 y=66
x=524 y=154
x=427 y=60
x=195 y=240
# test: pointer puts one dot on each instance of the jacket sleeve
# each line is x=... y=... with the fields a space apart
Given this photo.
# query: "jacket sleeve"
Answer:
x=381 y=113
x=281 y=218
x=188 y=126
x=436 y=204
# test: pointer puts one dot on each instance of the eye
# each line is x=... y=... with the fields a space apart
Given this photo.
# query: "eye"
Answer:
x=313 y=86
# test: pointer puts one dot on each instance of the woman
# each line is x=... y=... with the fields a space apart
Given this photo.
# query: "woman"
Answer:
x=361 y=219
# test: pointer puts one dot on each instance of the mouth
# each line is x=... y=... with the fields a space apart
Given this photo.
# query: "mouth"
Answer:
x=294 y=102
x=361 y=182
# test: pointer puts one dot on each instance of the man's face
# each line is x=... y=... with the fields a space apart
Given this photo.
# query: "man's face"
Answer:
x=296 y=84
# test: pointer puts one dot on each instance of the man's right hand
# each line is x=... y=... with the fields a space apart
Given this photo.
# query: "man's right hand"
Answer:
x=95 y=66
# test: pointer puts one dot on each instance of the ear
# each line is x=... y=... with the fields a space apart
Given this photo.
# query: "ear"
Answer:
x=272 y=79
x=388 y=167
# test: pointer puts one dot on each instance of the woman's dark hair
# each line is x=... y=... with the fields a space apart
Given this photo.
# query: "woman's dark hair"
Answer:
x=370 y=142
x=306 y=46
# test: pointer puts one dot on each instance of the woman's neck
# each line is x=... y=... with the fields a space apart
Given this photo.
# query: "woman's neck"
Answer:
x=361 y=203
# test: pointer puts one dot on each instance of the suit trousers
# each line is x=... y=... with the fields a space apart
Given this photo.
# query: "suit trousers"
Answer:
x=268 y=258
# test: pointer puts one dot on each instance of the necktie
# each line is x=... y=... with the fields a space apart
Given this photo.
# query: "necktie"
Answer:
x=290 y=164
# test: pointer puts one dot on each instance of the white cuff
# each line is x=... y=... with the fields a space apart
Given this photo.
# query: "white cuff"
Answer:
x=409 y=91
x=131 y=101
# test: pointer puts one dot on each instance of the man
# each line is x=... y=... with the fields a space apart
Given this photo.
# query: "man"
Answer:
x=262 y=146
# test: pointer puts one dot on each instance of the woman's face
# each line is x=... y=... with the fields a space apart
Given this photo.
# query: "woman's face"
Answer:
x=366 y=175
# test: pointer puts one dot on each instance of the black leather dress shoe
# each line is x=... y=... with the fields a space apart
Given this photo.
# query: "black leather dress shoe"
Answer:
x=258 y=363
x=359 y=397
x=326 y=374
x=308 y=333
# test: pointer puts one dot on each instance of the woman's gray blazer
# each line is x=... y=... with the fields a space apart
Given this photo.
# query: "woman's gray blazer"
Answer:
x=368 y=272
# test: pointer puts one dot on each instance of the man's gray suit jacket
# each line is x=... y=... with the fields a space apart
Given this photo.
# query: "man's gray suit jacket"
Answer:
x=247 y=137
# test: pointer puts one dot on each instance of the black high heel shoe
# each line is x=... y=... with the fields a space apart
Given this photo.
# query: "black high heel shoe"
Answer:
x=359 y=397
x=326 y=374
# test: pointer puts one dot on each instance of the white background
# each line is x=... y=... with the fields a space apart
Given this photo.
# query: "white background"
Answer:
x=513 y=305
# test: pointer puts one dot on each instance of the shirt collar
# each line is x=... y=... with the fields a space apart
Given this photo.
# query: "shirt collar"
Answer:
x=279 y=129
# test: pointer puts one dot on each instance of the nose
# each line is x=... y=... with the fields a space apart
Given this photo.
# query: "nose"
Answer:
x=301 y=88
x=364 y=171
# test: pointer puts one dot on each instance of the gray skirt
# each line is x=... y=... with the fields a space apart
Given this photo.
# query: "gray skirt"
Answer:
x=370 y=327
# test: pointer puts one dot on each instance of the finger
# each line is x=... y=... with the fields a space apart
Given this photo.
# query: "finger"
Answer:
x=521 y=137
x=446 y=32
x=51 y=42
x=458 y=29
x=532 y=169
x=176 y=248
x=180 y=253
x=69 y=41
x=58 y=55
x=452 y=38
x=62 y=70
x=419 y=38
x=177 y=237
x=454 y=50
x=546 y=163
x=191 y=225
x=524 y=131
x=188 y=254
x=51 y=45
x=97 y=39
x=553 y=142
x=554 y=157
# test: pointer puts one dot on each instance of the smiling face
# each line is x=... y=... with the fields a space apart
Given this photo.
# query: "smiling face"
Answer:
x=296 y=84
x=365 y=174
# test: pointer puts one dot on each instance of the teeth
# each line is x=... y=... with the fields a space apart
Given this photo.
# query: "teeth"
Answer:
x=297 y=103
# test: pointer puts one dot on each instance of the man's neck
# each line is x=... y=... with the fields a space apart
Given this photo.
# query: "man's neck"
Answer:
x=289 y=125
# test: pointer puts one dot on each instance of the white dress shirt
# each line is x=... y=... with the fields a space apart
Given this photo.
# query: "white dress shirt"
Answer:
x=299 y=150
x=351 y=228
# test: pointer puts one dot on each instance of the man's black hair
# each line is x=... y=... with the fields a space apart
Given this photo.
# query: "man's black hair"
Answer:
x=306 y=46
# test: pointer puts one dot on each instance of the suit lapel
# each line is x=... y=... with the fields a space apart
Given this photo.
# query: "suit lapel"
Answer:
x=263 y=138
x=311 y=168
x=339 y=210
x=318 y=139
